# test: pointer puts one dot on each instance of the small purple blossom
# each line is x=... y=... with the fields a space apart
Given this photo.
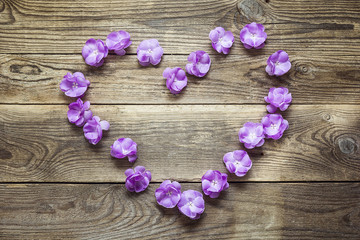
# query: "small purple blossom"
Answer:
x=199 y=63
x=94 y=52
x=238 y=162
x=168 y=194
x=124 y=147
x=278 y=63
x=74 y=85
x=274 y=126
x=252 y=135
x=191 y=204
x=149 y=52
x=213 y=182
x=221 y=40
x=176 y=79
x=118 y=41
x=138 y=179
x=253 y=36
x=278 y=98
x=93 y=129
x=79 y=112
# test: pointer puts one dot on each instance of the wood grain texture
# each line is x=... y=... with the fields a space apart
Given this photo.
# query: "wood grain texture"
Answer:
x=320 y=28
x=244 y=211
x=33 y=79
x=182 y=141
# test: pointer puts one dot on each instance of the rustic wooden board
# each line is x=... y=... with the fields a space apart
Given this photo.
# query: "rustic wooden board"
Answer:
x=313 y=28
x=32 y=79
x=178 y=141
x=244 y=211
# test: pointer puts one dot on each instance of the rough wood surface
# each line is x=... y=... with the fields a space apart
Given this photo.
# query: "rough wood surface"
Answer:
x=233 y=79
x=323 y=28
x=179 y=137
x=244 y=211
x=178 y=141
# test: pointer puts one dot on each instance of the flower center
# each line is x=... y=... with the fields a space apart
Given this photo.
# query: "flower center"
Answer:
x=149 y=50
x=273 y=126
x=214 y=182
x=75 y=85
x=253 y=35
x=277 y=63
x=252 y=135
x=169 y=193
x=96 y=52
x=190 y=204
x=237 y=163
x=220 y=40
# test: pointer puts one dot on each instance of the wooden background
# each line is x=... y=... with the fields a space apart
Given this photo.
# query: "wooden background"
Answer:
x=55 y=185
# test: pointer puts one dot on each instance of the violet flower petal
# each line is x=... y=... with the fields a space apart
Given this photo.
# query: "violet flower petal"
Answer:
x=168 y=194
x=78 y=112
x=124 y=147
x=213 y=182
x=118 y=41
x=74 y=85
x=237 y=162
x=93 y=129
x=137 y=180
x=149 y=52
x=94 y=52
x=191 y=204
x=274 y=126
x=252 y=135
x=221 y=40
x=176 y=79
x=278 y=63
x=278 y=98
x=199 y=63
x=253 y=36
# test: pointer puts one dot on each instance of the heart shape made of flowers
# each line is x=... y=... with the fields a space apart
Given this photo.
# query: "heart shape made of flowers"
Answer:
x=149 y=52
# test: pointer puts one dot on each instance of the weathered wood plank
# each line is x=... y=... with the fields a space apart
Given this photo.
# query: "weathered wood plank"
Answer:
x=38 y=144
x=320 y=28
x=245 y=211
x=33 y=79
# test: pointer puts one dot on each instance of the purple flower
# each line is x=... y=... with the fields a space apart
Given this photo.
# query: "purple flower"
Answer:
x=124 y=147
x=94 y=52
x=176 y=79
x=252 y=135
x=93 y=129
x=274 y=126
x=79 y=112
x=278 y=98
x=74 y=85
x=118 y=41
x=213 y=182
x=221 y=40
x=253 y=36
x=138 y=179
x=168 y=194
x=278 y=63
x=238 y=162
x=149 y=51
x=191 y=204
x=199 y=63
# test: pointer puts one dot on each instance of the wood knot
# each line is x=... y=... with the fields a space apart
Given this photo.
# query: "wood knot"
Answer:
x=252 y=10
x=5 y=154
x=25 y=69
x=327 y=117
x=304 y=69
x=352 y=219
x=347 y=145
x=2 y=7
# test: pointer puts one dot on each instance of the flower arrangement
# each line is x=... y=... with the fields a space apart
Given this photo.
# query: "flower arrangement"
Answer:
x=191 y=203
